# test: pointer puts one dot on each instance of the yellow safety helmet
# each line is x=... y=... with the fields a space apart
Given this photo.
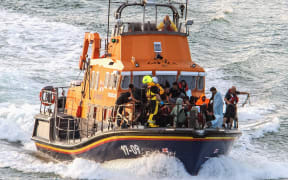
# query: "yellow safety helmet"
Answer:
x=147 y=79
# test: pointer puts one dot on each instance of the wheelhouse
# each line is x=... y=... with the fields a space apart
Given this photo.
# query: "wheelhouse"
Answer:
x=136 y=48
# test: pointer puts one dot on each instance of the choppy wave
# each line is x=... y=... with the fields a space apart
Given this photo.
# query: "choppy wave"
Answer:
x=16 y=121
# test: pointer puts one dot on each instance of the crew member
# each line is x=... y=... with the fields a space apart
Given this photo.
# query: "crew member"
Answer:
x=167 y=25
x=138 y=96
x=153 y=97
x=231 y=99
x=155 y=83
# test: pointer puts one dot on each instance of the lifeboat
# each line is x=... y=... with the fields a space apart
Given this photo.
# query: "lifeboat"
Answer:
x=83 y=121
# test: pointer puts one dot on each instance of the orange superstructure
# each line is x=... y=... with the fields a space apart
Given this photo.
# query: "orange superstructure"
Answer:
x=140 y=50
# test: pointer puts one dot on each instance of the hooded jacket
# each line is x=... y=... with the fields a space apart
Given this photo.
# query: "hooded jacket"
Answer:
x=200 y=102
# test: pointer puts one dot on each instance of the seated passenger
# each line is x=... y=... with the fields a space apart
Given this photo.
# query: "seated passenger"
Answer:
x=192 y=101
x=179 y=114
x=188 y=105
x=167 y=25
x=183 y=87
x=175 y=93
x=165 y=95
x=202 y=100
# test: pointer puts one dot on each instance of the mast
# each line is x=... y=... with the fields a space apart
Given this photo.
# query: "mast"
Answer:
x=186 y=10
x=107 y=40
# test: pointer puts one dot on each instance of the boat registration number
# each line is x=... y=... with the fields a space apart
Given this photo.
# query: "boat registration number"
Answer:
x=130 y=149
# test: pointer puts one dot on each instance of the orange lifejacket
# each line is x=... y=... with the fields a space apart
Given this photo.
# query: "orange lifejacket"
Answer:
x=200 y=102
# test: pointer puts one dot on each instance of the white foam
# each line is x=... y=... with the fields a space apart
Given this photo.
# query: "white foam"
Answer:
x=16 y=121
x=262 y=128
x=227 y=10
x=154 y=166
x=251 y=168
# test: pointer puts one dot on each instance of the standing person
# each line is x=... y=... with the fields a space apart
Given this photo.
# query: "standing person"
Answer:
x=153 y=97
x=138 y=96
x=231 y=99
x=119 y=107
x=217 y=108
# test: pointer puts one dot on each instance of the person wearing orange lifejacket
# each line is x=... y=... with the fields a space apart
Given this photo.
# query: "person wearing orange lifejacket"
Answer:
x=231 y=99
x=202 y=100
x=167 y=25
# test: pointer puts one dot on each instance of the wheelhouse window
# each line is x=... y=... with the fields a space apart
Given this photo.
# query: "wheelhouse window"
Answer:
x=92 y=80
x=97 y=80
x=138 y=77
x=113 y=83
x=190 y=78
x=125 y=80
x=200 y=81
x=166 y=77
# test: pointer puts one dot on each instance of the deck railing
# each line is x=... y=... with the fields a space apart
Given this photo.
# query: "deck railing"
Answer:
x=108 y=118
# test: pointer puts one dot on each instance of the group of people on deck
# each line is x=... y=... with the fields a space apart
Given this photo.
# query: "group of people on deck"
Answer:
x=161 y=105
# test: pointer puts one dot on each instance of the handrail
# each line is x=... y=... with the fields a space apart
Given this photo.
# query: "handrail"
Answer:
x=102 y=118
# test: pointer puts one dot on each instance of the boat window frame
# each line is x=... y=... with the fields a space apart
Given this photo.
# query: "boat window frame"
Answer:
x=92 y=83
x=107 y=78
x=123 y=75
x=97 y=81
x=167 y=73
x=202 y=77
x=191 y=74
x=113 y=82
x=140 y=73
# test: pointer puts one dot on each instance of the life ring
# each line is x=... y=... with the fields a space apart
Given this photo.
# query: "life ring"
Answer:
x=50 y=96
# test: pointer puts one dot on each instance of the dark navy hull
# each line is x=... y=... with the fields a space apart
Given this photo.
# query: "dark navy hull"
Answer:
x=192 y=147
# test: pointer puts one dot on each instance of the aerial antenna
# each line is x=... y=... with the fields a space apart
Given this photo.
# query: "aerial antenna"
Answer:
x=108 y=27
x=186 y=10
